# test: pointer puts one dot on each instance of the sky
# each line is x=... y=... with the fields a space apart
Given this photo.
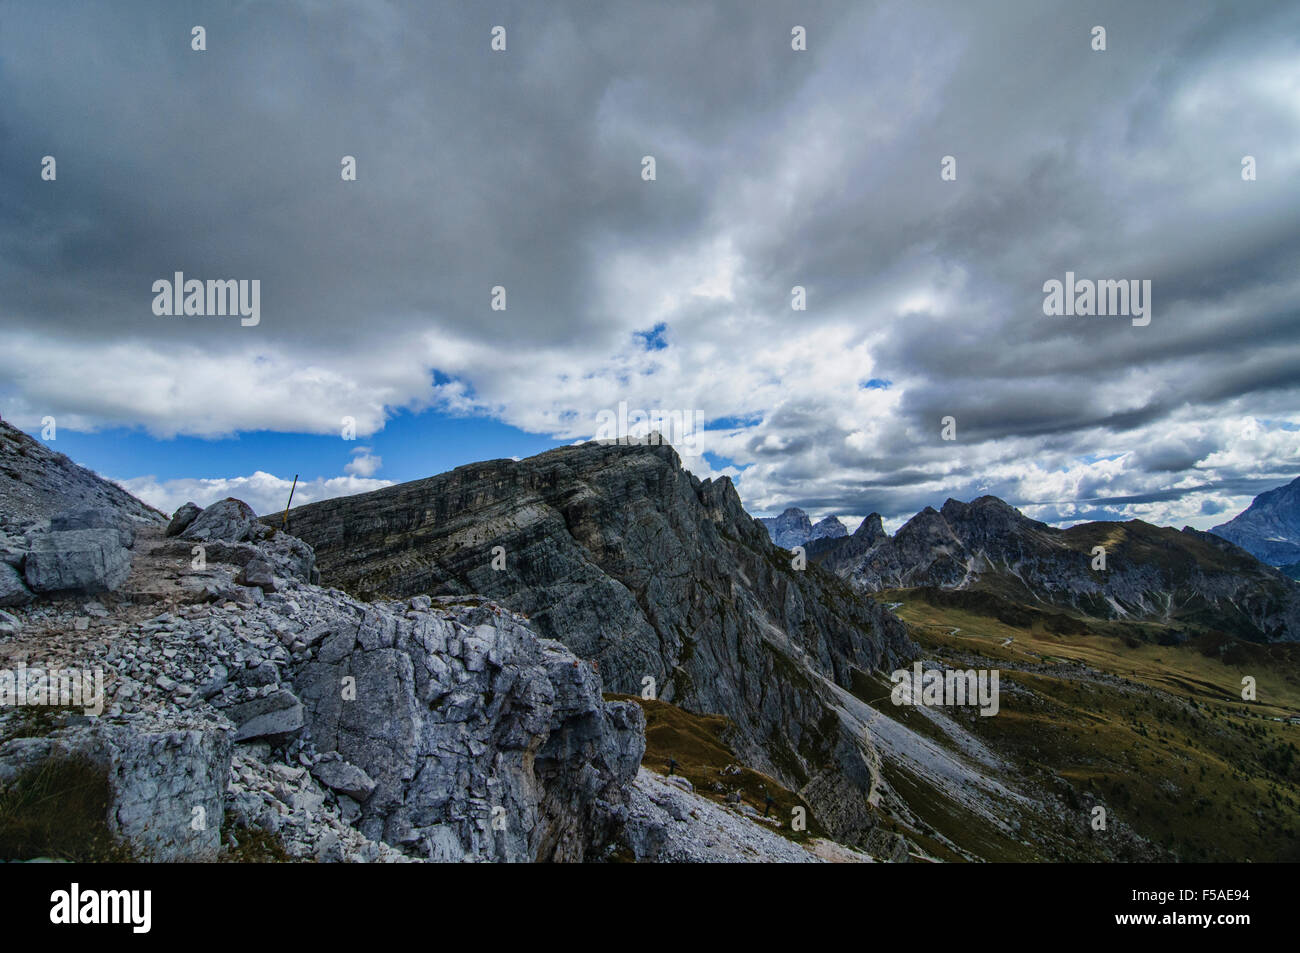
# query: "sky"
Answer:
x=774 y=168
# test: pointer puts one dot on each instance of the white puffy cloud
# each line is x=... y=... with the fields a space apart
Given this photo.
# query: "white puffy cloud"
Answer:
x=363 y=463
x=264 y=492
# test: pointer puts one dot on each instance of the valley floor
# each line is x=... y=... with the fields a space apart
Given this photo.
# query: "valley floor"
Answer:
x=1156 y=736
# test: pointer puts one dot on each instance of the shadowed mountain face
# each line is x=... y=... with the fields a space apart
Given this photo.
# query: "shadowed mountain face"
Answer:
x=1268 y=529
x=1188 y=578
x=637 y=565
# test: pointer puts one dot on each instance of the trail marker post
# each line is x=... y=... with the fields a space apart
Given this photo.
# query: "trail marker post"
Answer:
x=284 y=523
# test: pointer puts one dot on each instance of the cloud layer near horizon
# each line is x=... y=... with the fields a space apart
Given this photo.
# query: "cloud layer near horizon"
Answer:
x=774 y=169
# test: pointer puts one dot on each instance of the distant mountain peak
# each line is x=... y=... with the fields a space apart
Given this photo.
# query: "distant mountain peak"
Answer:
x=793 y=528
x=1268 y=529
x=828 y=528
x=871 y=528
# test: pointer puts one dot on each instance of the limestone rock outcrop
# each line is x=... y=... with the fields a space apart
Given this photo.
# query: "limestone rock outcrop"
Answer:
x=639 y=567
x=166 y=777
x=420 y=730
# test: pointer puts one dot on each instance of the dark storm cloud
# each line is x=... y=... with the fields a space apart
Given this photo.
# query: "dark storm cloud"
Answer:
x=474 y=168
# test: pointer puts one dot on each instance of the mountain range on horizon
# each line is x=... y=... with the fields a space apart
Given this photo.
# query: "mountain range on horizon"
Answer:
x=1269 y=529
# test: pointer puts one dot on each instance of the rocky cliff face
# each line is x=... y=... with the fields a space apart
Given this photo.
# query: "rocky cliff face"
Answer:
x=1269 y=529
x=480 y=739
x=1152 y=573
x=634 y=564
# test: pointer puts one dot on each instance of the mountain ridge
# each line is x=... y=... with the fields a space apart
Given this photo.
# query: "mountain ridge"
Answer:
x=660 y=578
x=1154 y=573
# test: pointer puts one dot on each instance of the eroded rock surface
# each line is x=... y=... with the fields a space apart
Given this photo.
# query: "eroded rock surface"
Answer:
x=636 y=565
x=428 y=729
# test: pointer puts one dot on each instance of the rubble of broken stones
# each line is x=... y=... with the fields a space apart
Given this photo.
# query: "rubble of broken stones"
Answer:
x=351 y=731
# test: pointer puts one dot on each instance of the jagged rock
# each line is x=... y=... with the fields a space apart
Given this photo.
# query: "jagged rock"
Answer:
x=480 y=739
x=275 y=798
x=228 y=521
x=9 y=623
x=258 y=573
x=164 y=774
x=182 y=518
x=345 y=778
x=84 y=561
x=277 y=717
x=13 y=592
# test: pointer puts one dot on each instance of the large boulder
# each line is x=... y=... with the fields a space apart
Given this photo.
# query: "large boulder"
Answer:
x=12 y=590
x=338 y=775
x=228 y=521
x=182 y=518
x=259 y=573
x=277 y=717
x=79 y=561
x=287 y=556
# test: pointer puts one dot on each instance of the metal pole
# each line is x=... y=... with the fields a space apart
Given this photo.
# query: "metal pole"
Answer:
x=285 y=522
